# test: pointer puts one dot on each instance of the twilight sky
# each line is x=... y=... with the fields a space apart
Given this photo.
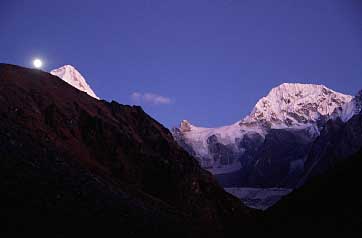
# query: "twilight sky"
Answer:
x=207 y=61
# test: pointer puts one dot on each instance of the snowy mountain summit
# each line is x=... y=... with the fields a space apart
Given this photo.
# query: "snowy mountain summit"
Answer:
x=290 y=108
x=295 y=104
x=70 y=75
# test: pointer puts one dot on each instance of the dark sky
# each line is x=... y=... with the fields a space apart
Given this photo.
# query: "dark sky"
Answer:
x=206 y=61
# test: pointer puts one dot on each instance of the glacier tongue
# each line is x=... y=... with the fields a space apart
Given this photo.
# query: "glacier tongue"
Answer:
x=70 y=75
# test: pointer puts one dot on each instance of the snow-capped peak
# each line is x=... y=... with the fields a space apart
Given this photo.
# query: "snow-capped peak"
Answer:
x=70 y=75
x=290 y=106
x=295 y=104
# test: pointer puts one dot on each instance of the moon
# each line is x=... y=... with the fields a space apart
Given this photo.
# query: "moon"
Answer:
x=37 y=63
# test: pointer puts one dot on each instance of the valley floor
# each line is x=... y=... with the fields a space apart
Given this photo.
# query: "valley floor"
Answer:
x=259 y=198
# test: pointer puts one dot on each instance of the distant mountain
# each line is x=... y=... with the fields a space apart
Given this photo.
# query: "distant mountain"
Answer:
x=72 y=165
x=293 y=105
x=270 y=146
x=299 y=108
x=70 y=75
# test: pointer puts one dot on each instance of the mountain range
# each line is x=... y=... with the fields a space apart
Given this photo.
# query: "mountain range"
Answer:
x=74 y=164
x=267 y=154
x=271 y=151
x=271 y=148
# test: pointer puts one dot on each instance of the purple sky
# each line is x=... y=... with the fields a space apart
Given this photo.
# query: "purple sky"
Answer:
x=205 y=61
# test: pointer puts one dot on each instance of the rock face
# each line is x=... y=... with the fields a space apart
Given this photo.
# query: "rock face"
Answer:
x=337 y=142
x=327 y=199
x=70 y=75
x=75 y=164
x=278 y=161
x=267 y=148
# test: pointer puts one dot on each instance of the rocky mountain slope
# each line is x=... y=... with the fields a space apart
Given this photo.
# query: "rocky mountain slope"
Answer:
x=327 y=200
x=72 y=164
x=338 y=140
x=328 y=204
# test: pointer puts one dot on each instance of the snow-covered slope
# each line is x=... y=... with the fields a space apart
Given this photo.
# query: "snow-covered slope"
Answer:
x=290 y=106
x=348 y=110
x=70 y=75
x=294 y=104
x=226 y=134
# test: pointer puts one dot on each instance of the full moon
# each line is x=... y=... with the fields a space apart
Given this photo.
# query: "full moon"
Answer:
x=37 y=63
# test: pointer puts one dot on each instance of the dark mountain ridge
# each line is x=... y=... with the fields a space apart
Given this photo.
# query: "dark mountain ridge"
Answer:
x=328 y=204
x=74 y=163
x=327 y=200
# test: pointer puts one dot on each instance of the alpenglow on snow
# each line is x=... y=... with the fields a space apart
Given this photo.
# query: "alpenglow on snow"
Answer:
x=70 y=75
x=290 y=106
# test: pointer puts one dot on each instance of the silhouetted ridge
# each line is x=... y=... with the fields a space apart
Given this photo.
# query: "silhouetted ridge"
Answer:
x=76 y=164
